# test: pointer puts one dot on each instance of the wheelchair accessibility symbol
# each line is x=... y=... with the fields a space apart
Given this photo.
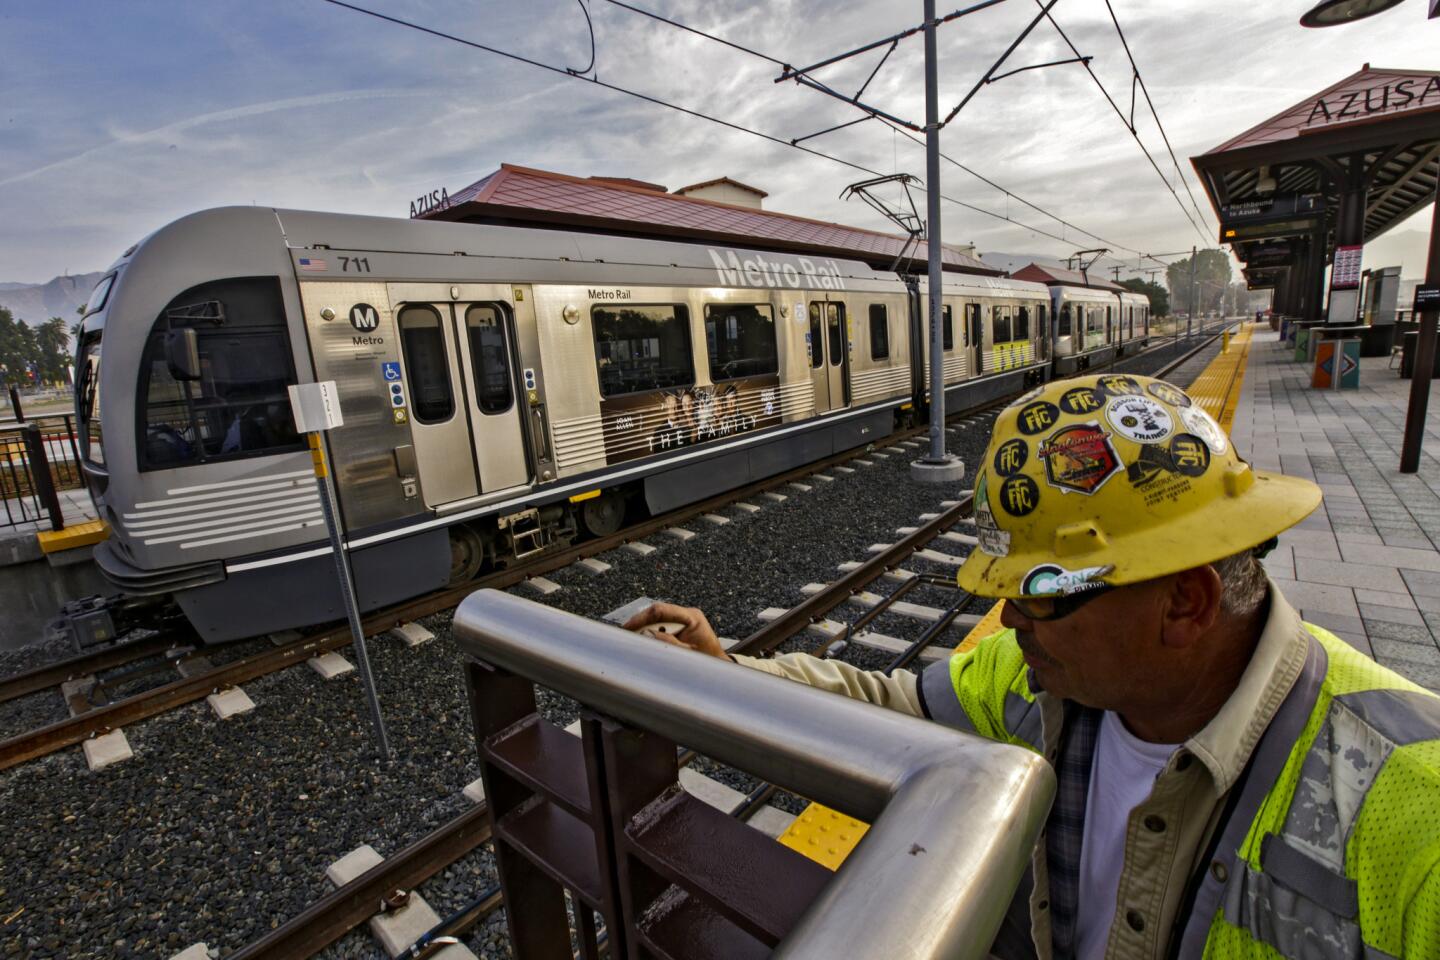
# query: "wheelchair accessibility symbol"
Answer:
x=392 y=372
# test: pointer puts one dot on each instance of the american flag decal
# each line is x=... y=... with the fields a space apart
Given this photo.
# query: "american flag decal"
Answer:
x=310 y=263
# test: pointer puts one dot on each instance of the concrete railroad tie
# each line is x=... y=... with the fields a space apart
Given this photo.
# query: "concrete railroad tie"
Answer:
x=747 y=507
x=679 y=533
x=395 y=929
x=540 y=585
x=330 y=665
x=903 y=608
x=833 y=630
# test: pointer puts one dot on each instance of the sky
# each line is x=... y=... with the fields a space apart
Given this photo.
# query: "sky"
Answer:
x=118 y=118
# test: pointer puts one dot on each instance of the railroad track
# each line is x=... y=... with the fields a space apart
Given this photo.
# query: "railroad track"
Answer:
x=330 y=918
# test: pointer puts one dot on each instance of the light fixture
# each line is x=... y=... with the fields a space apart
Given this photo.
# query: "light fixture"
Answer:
x=1265 y=182
x=1331 y=13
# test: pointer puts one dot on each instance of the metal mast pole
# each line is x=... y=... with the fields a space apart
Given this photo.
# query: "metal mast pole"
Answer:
x=1190 y=322
x=932 y=238
x=1424 y=356
x=938 y=467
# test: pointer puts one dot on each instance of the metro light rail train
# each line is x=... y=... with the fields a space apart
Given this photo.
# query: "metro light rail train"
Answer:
x=505 y=390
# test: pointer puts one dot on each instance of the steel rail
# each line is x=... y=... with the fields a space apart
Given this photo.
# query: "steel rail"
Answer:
x=54 y=674
x=336 y=914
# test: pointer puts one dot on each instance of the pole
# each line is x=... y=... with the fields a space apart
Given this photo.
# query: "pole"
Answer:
x=347 y=590
x=15 y=404
x=1190 y=320
x=938 y=467
x=1424 y=356
x=932 y=238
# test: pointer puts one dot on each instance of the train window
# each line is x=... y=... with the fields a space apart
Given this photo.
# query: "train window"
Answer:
x=835 y=332
x=87 y=393
x=740 y=340
x=640 y=347
x=1092 y=320
x=1062 y=329
x=817 y=334
x=947 y=328
x=879 y=332
x=1002 y=325
x=1022 y=323
x=238 y=406
x=490 y=355
x=427 y=365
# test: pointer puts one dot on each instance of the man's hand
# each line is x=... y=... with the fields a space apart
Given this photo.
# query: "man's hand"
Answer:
x=695 y=633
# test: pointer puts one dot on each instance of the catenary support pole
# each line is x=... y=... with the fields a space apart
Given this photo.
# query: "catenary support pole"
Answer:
x=1194 y=299
x=938 y=467
x=1424 y=355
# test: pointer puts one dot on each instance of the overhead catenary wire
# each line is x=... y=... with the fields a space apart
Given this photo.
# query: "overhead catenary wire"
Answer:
x=760 y=55
x=1121 y=114
x=698 y=114
x=1139 y=79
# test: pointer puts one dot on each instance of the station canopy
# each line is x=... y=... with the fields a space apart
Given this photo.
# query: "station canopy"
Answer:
x=1340 y=167
x=1068 y=278
x=520 y=196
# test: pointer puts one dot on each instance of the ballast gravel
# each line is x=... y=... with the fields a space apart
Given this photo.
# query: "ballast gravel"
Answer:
x=219 y=831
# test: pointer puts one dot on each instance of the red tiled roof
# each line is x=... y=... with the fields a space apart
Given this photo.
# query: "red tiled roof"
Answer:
x=1365 y=95
x=1073 y=278
x=718 y=180
x=552 y=199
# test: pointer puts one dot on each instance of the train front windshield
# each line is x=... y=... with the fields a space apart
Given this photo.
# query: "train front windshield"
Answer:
x=87 y=395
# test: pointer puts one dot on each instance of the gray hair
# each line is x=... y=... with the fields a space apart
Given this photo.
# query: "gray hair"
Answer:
x=1243 y=583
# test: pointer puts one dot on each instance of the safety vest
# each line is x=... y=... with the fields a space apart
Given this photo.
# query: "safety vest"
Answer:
x=1329 y=846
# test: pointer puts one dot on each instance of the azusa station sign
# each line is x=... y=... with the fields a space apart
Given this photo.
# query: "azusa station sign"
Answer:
x=1394 y=97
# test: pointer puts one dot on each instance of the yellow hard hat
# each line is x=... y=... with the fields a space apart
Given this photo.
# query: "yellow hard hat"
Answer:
x=1115 y=479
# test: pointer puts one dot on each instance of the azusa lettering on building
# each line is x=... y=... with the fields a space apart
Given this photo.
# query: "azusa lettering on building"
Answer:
x=434 y=200
x=1401 y=95
x=756 y=271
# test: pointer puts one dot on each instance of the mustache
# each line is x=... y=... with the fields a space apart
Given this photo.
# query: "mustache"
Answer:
x=1027 y=643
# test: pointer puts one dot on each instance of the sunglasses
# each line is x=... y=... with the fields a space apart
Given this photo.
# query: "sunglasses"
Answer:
x=1044 y=609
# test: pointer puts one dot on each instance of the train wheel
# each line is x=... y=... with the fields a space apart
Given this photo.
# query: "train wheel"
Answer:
x=467 y=553
x=604 y=514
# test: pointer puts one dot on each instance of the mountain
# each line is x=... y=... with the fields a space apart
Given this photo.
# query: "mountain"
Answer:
x=37 y=302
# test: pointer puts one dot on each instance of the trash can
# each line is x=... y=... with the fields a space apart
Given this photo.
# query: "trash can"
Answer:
x=1337 y=364
x=1407 y=355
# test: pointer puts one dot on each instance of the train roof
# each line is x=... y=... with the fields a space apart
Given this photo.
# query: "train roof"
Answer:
x=959 y=284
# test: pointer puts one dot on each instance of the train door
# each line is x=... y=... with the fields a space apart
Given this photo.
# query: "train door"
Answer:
x=829 y=355
x=1109 y=327
x=974 y=338
x=458 y=372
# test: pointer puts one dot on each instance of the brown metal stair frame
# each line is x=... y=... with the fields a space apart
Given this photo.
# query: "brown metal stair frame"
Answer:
x=602 y=816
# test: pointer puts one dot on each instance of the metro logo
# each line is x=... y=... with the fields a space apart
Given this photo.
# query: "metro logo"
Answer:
x=756 y=271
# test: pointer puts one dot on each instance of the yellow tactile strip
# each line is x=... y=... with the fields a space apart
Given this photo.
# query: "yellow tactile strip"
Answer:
x=75 y=535
x=824 y=835
x=1217 y=389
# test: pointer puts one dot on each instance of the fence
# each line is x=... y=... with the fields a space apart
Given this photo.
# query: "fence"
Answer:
x=38 y=458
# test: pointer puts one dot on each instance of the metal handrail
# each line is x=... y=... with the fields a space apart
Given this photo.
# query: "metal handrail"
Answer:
x=954 y=817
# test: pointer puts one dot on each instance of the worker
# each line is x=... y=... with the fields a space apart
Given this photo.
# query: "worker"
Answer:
x=1232 y=782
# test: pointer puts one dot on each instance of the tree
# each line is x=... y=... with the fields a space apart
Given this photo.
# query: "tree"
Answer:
x=1159 y=299
x=1212 y=278
x=53 y=340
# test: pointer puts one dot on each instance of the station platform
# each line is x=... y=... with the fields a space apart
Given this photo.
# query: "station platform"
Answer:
x=1365 y=565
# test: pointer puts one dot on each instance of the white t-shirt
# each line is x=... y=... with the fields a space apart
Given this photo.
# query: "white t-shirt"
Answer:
x=1121 y=778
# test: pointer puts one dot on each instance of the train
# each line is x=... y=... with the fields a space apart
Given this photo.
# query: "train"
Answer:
x=505 y=390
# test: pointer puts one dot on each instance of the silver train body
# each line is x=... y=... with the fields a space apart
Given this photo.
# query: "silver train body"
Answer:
x=504 y=390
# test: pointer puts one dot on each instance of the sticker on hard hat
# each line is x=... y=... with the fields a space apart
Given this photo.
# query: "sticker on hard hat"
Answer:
x=1011 y=457
x=1081 y=400
x=1019 y=495
x=1040 y=415
x=1170 y=394
x=1079 y=458
x=1140 y=419
x=1118 y=385
x=1204 y=426
x=1187 y=455
x=1048 y=580
x=991 y=538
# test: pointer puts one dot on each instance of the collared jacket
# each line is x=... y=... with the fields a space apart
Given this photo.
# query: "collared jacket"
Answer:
x=1302 y=821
